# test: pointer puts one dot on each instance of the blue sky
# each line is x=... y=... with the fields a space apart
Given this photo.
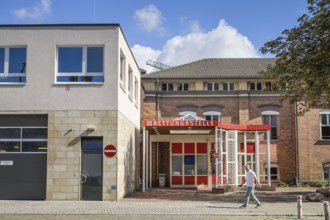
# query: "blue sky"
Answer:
x=171 y=31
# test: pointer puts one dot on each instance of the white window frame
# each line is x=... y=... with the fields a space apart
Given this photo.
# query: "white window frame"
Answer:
x=167 y=87
x=6 y=72
x=212 y=114
x=84 y=66
x=327 y=113
x=136 y=91
x=130 y=90
x=228 y=86
x=326 y=166
x=213 y=86
x=255 y=86
x=273 y=113
x=182 y=84
x=122 y=71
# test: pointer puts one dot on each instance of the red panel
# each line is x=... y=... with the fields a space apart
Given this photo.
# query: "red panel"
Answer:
x=240 y=127
x=201 y=148
x=250 y=147
x=201 y=180
x=214 y=179
x=189 y=180
x=189 y=148
x=176 y=180
x=212 y=147
x=176 y=148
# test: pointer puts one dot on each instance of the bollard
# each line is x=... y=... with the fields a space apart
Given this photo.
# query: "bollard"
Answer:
x=299 y=206
x=326 y=210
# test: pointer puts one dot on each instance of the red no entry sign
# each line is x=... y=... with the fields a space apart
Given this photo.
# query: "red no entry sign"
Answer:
x=110 y=151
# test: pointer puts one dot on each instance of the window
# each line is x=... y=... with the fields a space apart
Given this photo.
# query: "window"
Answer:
x=80 y=65
x=130 y=82
x=136 y=91
x=212 y=116
x=167 y=86
x=273 y=173
x=23 y=139
x=12 y=65
x=325 y=125
x=176 y=165
x=268 y=86
x=183 y=87
x=122 y=71
x=255 y=86
x=271 y=118
x=212 y=86
x=326 y=171
x=228 y=86
x=189 y=164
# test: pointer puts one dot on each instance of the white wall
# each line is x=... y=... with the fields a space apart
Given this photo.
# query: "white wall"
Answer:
x=40 y=92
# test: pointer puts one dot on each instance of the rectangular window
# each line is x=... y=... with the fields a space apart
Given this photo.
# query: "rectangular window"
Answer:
x=130 y=83
x=325 y=126
x=167 y=86
x=272 y=120
x=255 y=86
x=228 y=86
x=212 y=117
x=136 y=91
x=183 y=87
x=189 y=164
x=273 y=173
x=80 y=65
x=268 y=86
x=212 y=86
x=176 y=165
x=122 y=71
x=201 y=164
x=12 y=65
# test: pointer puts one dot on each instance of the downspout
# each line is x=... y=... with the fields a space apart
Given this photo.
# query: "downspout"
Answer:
x=157 y=99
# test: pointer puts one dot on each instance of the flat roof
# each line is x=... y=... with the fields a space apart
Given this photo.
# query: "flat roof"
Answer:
x=59 y=25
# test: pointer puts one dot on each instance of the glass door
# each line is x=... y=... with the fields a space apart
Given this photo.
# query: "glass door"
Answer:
x=91 y=168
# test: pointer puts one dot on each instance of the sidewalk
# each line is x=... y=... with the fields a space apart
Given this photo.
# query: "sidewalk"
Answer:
x=182 y=204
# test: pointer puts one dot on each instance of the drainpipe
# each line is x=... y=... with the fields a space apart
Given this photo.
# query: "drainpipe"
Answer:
x=157 y=98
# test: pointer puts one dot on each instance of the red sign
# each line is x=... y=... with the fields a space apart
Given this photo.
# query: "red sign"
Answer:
x=179 y=123
x=110 y=151
x=216 y=155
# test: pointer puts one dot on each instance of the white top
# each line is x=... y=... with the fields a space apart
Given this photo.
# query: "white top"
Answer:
x=249 y=176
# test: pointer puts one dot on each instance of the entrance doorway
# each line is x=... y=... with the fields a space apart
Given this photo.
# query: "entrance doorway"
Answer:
x=91 y=168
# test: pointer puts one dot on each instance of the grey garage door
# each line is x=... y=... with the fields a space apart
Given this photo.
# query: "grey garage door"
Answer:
x=23 y=157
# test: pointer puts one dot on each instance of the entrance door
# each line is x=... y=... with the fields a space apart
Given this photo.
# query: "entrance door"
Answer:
x=91 y=168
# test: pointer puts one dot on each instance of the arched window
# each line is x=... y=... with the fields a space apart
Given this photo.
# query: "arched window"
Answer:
x=326 y=171
x=212 y=115
x=272 y=118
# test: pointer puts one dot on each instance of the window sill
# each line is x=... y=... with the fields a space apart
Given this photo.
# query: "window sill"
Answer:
x=12 y=84
x=78 y=83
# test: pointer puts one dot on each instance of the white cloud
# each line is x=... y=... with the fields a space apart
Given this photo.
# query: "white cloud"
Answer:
x=142 y=54
x=37 y=12
x=224 y=41
x=150 y=19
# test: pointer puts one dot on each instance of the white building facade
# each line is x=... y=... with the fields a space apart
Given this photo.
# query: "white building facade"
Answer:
x=67 y=92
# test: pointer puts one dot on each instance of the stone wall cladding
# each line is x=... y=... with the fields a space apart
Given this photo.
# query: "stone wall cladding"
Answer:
x=64 y=151
x=128 y=155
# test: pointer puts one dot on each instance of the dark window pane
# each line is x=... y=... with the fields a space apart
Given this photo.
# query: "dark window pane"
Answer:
x=273 y=177
x=186 y=87
x=259 y=86
x=273 y=170
x=10 y=133
x=208 y=117
x=225 y=86
x=34 y=146
x=170 y=87
x=252 y=86
x=216 y=86
x=215 y=118
x=98 y=79
x=324 y=119
x=232 y=85
x=164 y=87
x=180 y=87
x=13 y=79
x=265 y=119
x=70 y=59
x=209 y=87
x=273 y=119
x=9 y=146
x=273 y=133
x=95 y=59
x=326 y=132
x=35 y=133
x=17 y=60
x=2 y=60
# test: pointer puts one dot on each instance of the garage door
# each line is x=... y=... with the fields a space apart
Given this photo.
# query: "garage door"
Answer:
x=23 y=156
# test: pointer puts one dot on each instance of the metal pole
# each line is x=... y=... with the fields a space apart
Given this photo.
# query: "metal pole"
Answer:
x=268 y=158
x=326 y=210
x=256 y=144
x=299 y=207
x=236 y=157
x=143 y=160
x=221 y=158
x=216 y=159
x=150 y=161
x=147 y=161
